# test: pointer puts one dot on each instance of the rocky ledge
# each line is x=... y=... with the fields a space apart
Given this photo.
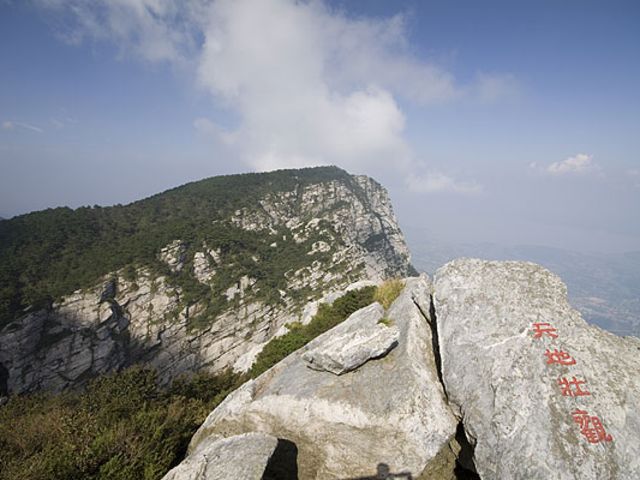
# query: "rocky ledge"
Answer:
x=389 y=410
x=491 y=374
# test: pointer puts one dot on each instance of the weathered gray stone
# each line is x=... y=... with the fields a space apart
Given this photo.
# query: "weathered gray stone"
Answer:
x=391 y=410
x=361 y=338
x=202 y=269
x=174 y=255
x=498 y=375
x=239 y=457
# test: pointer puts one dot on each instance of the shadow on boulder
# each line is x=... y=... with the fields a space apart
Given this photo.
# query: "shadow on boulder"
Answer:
x=383 y=472
x=4 y=381
x=465 y=467
x=283 y=464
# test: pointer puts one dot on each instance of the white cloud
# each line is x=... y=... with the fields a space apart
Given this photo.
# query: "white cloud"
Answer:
x=309 y=84
x=580 y=163
x=10 y=125
x=276 y=63
x=155 y=30
x=436 y=182
x=211 y=129
x=29 y=127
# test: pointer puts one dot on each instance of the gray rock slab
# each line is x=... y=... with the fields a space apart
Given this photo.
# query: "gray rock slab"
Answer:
x=359 y=339
x=514 y=354
x=391 y=410
x=239 y=457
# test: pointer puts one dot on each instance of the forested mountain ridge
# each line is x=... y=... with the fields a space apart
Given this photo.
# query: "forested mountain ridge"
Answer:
x=50 y=253
x=196 y=276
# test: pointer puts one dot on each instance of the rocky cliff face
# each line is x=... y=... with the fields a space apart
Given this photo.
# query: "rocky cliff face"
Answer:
x=340 y=230
x=541 y=393
x=489 y=373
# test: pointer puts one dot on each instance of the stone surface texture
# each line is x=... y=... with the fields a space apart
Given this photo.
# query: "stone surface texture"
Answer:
x=111 y=325
x=497 y=375
x=388 y=410
x=363 y=337
x=240 y=457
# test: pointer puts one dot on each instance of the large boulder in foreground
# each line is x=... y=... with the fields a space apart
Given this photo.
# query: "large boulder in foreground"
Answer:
x=387 y=411
x=239 y=457
x=542 y=394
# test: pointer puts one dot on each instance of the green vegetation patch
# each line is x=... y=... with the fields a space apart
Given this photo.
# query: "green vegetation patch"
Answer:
x=123 y=427
x=386 y=321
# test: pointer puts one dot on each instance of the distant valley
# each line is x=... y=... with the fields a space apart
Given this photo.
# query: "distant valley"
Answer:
x=605 y=288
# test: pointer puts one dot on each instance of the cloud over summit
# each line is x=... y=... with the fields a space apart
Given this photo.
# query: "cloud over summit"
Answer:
x=305 y=83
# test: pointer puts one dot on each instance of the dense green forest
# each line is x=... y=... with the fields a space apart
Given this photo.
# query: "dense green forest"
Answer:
x=124 y=426
x=50 y=253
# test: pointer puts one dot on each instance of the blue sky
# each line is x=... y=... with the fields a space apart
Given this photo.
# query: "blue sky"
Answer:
x=509 y=122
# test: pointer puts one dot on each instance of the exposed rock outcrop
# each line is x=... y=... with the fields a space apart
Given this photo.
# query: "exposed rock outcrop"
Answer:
x=541 y=393
x=537 y=391
x=363 y=337
x=174 y=255
x=390 y=410
x=360 y=212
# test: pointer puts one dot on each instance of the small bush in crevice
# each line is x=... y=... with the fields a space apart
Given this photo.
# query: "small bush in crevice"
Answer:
x=386 y=321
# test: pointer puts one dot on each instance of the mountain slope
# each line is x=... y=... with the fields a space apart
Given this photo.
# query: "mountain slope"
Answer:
x=194 y=277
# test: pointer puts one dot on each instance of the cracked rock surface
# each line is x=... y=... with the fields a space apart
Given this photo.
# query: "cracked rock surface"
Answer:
x=388 y=410
x=506 y=376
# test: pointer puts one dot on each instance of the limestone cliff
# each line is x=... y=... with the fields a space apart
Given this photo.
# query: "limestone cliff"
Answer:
x=210 y=301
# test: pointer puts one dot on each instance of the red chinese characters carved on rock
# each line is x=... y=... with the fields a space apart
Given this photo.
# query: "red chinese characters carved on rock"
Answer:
x=563 y=358
x=567 y=391
x=591 y=427
x=540 y=329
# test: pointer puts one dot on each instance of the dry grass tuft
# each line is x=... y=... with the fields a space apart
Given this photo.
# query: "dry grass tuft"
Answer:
x=388 y=292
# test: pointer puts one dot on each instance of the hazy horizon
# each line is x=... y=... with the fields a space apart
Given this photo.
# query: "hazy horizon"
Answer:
x=500 y=123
